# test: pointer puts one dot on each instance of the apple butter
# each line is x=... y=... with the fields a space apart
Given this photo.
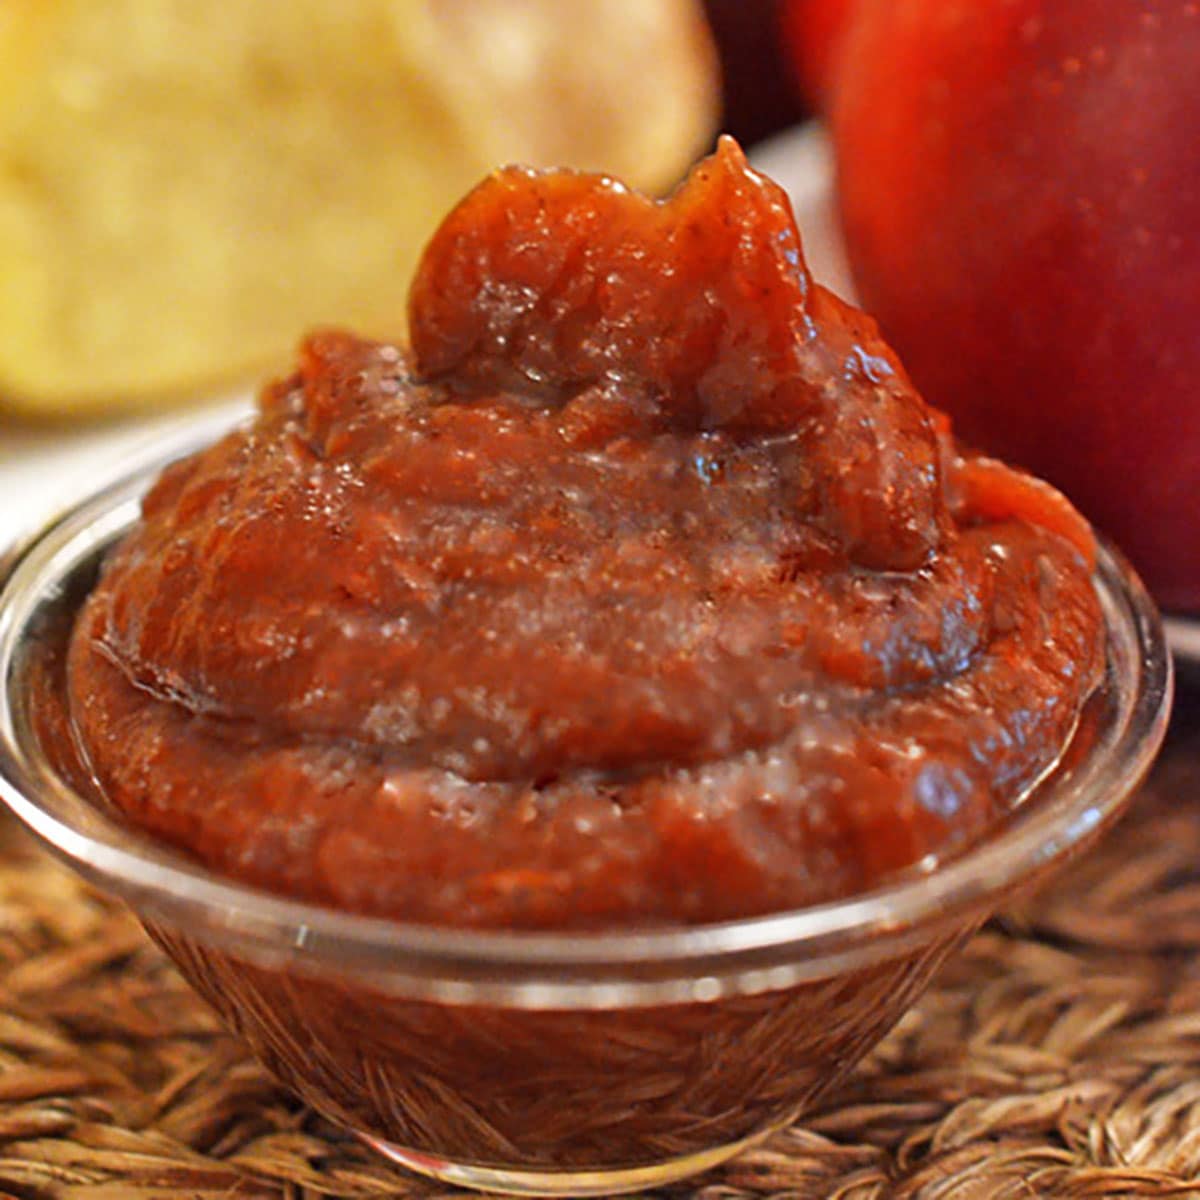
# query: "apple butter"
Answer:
x=639 y=587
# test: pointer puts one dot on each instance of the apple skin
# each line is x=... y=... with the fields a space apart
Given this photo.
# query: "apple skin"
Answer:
x=1019 y=183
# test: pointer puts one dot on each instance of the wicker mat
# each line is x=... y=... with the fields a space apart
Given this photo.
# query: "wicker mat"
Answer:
x=1058 y=1055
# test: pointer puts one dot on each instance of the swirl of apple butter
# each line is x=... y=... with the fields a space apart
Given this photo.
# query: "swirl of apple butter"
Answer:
x=640 y=587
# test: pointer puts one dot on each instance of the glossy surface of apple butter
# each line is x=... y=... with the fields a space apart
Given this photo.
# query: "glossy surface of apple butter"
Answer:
x=639 y=588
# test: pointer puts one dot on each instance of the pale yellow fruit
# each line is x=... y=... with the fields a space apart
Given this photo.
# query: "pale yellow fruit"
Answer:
x=186 y=186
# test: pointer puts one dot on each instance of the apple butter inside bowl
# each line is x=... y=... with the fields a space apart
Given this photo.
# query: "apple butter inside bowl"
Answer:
x=639 y=588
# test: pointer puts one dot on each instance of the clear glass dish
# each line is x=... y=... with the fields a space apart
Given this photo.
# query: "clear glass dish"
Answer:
x=541 y=1063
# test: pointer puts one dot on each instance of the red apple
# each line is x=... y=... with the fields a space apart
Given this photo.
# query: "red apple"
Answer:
x=1020 y=188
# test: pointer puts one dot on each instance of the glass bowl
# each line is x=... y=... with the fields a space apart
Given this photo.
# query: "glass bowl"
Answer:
x=542 y=1063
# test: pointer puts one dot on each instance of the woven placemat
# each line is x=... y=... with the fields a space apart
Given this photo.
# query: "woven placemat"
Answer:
x=1059 y=1054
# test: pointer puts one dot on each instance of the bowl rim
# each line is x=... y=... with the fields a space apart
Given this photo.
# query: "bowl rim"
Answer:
x=561 y=969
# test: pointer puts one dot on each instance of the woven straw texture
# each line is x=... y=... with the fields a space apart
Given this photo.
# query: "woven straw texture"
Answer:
x=1058 y=1055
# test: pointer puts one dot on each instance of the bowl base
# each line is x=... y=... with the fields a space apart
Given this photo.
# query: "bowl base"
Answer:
x=567 y=1181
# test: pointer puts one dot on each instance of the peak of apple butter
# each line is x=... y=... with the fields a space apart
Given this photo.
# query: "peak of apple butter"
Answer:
x=697 y=312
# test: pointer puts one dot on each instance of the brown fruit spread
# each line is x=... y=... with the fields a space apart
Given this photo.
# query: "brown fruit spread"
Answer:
x=641 y=588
